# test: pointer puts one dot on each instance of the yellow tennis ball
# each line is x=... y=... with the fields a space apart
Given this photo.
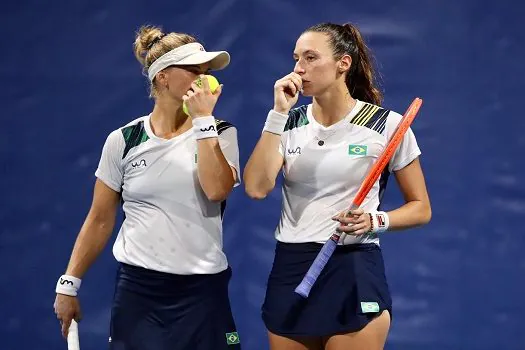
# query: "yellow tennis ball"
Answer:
x=212 y=81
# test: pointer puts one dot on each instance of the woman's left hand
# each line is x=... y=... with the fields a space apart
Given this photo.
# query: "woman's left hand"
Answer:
x=353 y=222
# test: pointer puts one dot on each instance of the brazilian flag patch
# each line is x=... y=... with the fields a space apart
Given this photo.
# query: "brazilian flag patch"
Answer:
x=232 y=338
x=357 y=150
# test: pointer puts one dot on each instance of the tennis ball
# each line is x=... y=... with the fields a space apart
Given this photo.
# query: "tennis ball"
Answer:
x=212 y=81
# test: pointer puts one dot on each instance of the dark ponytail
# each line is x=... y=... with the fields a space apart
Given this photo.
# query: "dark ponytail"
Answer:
x=360 y=80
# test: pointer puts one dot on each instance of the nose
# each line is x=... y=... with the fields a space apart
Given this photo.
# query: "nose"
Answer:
x=298 y=68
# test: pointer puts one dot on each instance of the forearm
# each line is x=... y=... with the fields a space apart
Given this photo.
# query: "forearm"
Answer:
x=260 y=171
x=90 y=242
x=412 y=214
x=215 y=174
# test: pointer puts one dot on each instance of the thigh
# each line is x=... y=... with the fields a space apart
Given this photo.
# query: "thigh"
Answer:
x=372 y=336
x=216 y=328
x=203 y=319
x=131 y=326
x=278 y=342
x=174 y=316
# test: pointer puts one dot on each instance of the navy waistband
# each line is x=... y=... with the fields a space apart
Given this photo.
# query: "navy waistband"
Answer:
x=310 y=247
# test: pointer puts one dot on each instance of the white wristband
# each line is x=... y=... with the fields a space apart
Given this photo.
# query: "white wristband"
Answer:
x=68 y=285
x=275 y=122
x=204 y=127
x=380 y=221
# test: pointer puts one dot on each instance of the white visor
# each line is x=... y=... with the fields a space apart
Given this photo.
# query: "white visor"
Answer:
x=189 y=54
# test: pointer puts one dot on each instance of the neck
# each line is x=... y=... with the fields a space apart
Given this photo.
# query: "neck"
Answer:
x=167 y=119
x=333 y=105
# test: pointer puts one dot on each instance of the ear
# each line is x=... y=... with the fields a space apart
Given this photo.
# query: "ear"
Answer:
x=345 y=63
x=161 y=79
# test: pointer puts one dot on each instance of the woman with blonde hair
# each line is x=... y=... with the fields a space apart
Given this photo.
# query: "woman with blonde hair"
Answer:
x=173 y=172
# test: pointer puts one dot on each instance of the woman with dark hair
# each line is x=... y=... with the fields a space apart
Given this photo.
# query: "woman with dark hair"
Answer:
x=325 y=150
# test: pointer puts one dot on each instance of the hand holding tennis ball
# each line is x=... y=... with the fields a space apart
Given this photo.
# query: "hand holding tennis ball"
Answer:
x=200 y=100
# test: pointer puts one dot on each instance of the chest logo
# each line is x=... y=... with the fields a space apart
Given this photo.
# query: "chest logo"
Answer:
x=139 y=164
x=294 y=152
x=357 y=150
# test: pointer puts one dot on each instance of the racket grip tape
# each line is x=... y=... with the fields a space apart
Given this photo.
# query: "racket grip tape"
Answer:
x=303 y=289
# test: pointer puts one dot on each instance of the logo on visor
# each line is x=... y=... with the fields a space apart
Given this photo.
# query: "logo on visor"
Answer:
x=201 y=48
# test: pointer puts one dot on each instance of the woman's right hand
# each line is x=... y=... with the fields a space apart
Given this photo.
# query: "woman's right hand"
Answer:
x=66 y=309
x=286 y=92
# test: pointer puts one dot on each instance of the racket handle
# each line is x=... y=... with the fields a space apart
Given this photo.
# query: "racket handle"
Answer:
x=303 y=289
x=72 y=337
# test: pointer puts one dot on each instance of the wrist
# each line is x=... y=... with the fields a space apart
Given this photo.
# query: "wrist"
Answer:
x=379 y=221
x=275 y=122
x=281 y=110
x=204 y=127
x=201 y=115
x=68 y=285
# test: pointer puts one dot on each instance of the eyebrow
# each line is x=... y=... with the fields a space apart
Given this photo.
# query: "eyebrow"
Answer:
x=305 y=53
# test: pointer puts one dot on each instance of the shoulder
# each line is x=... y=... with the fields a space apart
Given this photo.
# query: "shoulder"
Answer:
x=297 y=117
x=372 y=116
x=124 y=138
x=133 y=129
x=223 y=125
x=393 y=121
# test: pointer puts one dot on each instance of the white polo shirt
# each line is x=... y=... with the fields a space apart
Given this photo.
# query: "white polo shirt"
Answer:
x=325 y=166
x=169 y=224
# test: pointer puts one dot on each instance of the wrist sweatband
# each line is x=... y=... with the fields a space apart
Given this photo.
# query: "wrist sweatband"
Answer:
x=204 y=127
x=379 y=221
x=68 y=285
x=275 y=122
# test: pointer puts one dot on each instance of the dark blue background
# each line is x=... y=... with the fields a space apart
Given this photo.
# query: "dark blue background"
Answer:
x=68 y=78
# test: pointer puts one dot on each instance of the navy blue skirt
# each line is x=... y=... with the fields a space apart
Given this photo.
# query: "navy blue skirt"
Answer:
x=350 y=292
x=159 y=311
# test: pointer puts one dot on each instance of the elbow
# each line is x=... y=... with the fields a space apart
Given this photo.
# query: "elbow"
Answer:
x=218 y=191
x=217 y=196
x=101 y=220
x=255 y=187
x=256 y=191
x=256 y=194
x=428 y=216
x=425 y=214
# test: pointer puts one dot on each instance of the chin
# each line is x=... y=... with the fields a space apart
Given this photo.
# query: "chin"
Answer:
x=307 y=93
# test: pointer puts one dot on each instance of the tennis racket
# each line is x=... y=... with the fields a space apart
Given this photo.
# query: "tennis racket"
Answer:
x=328 y=248
x=72 y=337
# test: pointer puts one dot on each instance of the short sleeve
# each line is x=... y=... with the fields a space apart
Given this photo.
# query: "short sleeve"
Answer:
x=408 y=149
x=230 y=149
x=110 y=167
x=282 y=144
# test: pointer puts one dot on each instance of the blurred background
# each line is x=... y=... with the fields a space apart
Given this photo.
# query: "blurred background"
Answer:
x=68 y=78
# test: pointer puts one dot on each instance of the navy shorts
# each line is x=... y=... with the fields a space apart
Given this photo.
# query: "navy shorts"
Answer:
x=159 y=311
x=350 y=292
